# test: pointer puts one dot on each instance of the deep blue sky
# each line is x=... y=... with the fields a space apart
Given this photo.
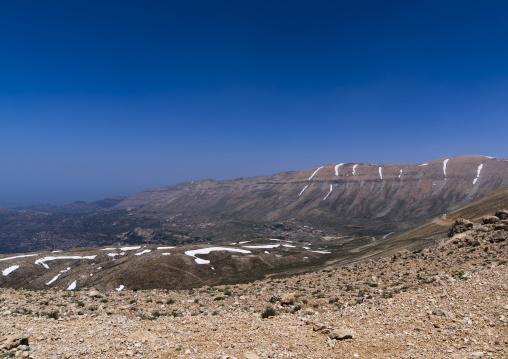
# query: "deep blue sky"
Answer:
x=103 y=98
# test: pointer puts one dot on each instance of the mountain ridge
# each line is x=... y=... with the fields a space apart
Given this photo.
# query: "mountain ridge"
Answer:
x=337 y=200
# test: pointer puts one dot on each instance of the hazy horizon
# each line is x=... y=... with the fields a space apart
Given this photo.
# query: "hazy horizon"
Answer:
x=105 y=99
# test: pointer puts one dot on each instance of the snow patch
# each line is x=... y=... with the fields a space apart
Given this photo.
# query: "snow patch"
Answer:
x=166 y=254
x=47 y=259
x=58 y=275
x=165 y=247
x=112 y=255
x=322 y=252
x=381 y=172
x=423 y=164
x=130 y=248
x=478 y=171
x=57 y=251
x=11 y=269
x=22 y=256
x=143 y=252
x=108 y=249
x=266 y=246
x=354 y=169
x=288 y=246
x=400 y=173
x=490 y=157
x=386 y=235
x=304 y=188
x=444 y=166
x=267 y=252
x=337 y=168
x=244 y=242
x=72 y=286
x=316 y=171
x=331 y=188
x=193 y=253
x=119 y=289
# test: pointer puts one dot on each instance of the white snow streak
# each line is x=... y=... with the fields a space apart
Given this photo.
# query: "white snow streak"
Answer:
x=288 y=246
x=267 y=246
x=316 y=171
x=323 y=252
x=129 y=248
x=112 y=255
x=201 y=261
x=166 y=254
x=72 y=286
x=423 y=164
x=165 y=247
x=193 y=253
x=119 y=289
x=337 y=168
x=304 y=188
x=331 y=188
x=444 y=166
x=400 y=173
x=22 y=256
x=108 y=249
x=490 y=157
x=267 y=252
x=478 y=173
x=58 y=275
x=47 y=259
x=354 y=169
x=243 y=242
x=381 y=172
x=143 y=252
x=11 y=269
x=386 y=235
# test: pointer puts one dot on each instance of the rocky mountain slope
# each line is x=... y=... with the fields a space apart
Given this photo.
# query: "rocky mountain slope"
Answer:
x=335 y=200
x=446 y=301
x=149 y=266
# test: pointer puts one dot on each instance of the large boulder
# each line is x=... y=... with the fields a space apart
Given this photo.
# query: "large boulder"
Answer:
x=341 y=334
x=502 y=214
x=288 y=299
x=14 y=341
x=490 y=219
x=459 y=226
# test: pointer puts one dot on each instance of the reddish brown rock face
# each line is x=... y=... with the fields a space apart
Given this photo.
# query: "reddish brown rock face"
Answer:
x=335 y=194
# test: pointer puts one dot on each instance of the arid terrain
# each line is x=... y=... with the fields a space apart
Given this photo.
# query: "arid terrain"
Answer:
x=333 y=200
x=449 y=300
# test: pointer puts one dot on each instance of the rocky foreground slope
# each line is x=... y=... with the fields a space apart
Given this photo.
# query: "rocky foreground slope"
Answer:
x=446 y=301
x=336 y=199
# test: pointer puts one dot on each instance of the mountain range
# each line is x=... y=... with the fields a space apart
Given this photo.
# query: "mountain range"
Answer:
x=331 y=201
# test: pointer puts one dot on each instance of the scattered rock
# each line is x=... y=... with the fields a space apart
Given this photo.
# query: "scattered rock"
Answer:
x=490 y=219
x=459 y=226
x=318 y=327
x=341 y=334
x=502 y=214
x=442 y=313
x=14 y=341
x=288 y=299
x=250 y=355
x=93 y=293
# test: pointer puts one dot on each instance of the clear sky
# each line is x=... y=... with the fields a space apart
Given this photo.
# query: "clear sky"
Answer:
x=102 y=98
